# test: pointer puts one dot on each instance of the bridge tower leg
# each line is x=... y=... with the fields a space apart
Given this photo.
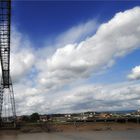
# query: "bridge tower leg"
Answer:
x=7 y=102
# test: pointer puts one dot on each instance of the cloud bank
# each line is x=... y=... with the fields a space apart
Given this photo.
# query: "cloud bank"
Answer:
x=47 y=81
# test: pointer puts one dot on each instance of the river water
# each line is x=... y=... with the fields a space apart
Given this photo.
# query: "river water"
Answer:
x=95 y=135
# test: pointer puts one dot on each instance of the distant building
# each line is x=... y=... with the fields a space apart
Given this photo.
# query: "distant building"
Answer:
x=43 y=118
x=105 y=115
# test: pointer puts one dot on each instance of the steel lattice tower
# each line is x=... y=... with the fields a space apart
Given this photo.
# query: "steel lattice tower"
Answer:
x=7 y=102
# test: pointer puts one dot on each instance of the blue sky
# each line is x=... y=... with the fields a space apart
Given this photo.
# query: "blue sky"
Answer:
x=46 y=19
x=42 y=20
x=76 y=50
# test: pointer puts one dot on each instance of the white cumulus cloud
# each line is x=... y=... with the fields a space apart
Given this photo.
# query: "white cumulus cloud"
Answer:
x=114 y=39
x=135 y=73
x=22 y=56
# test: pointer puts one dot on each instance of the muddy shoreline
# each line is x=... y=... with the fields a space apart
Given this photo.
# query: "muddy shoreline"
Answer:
x=79 y=127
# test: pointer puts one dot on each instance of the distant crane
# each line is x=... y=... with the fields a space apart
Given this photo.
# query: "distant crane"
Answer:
x=7 y=101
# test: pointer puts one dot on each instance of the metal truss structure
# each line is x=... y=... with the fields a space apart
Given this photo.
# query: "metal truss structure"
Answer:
x=7 y=102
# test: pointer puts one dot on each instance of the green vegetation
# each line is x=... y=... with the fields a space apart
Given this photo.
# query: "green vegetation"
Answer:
x=33 y=118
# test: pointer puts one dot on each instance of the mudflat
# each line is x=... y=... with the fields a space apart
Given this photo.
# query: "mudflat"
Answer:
x=73 y=127
x=96 y=126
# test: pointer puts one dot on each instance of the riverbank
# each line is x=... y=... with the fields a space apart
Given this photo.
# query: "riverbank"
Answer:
x=96 y=127
x=73 y=127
